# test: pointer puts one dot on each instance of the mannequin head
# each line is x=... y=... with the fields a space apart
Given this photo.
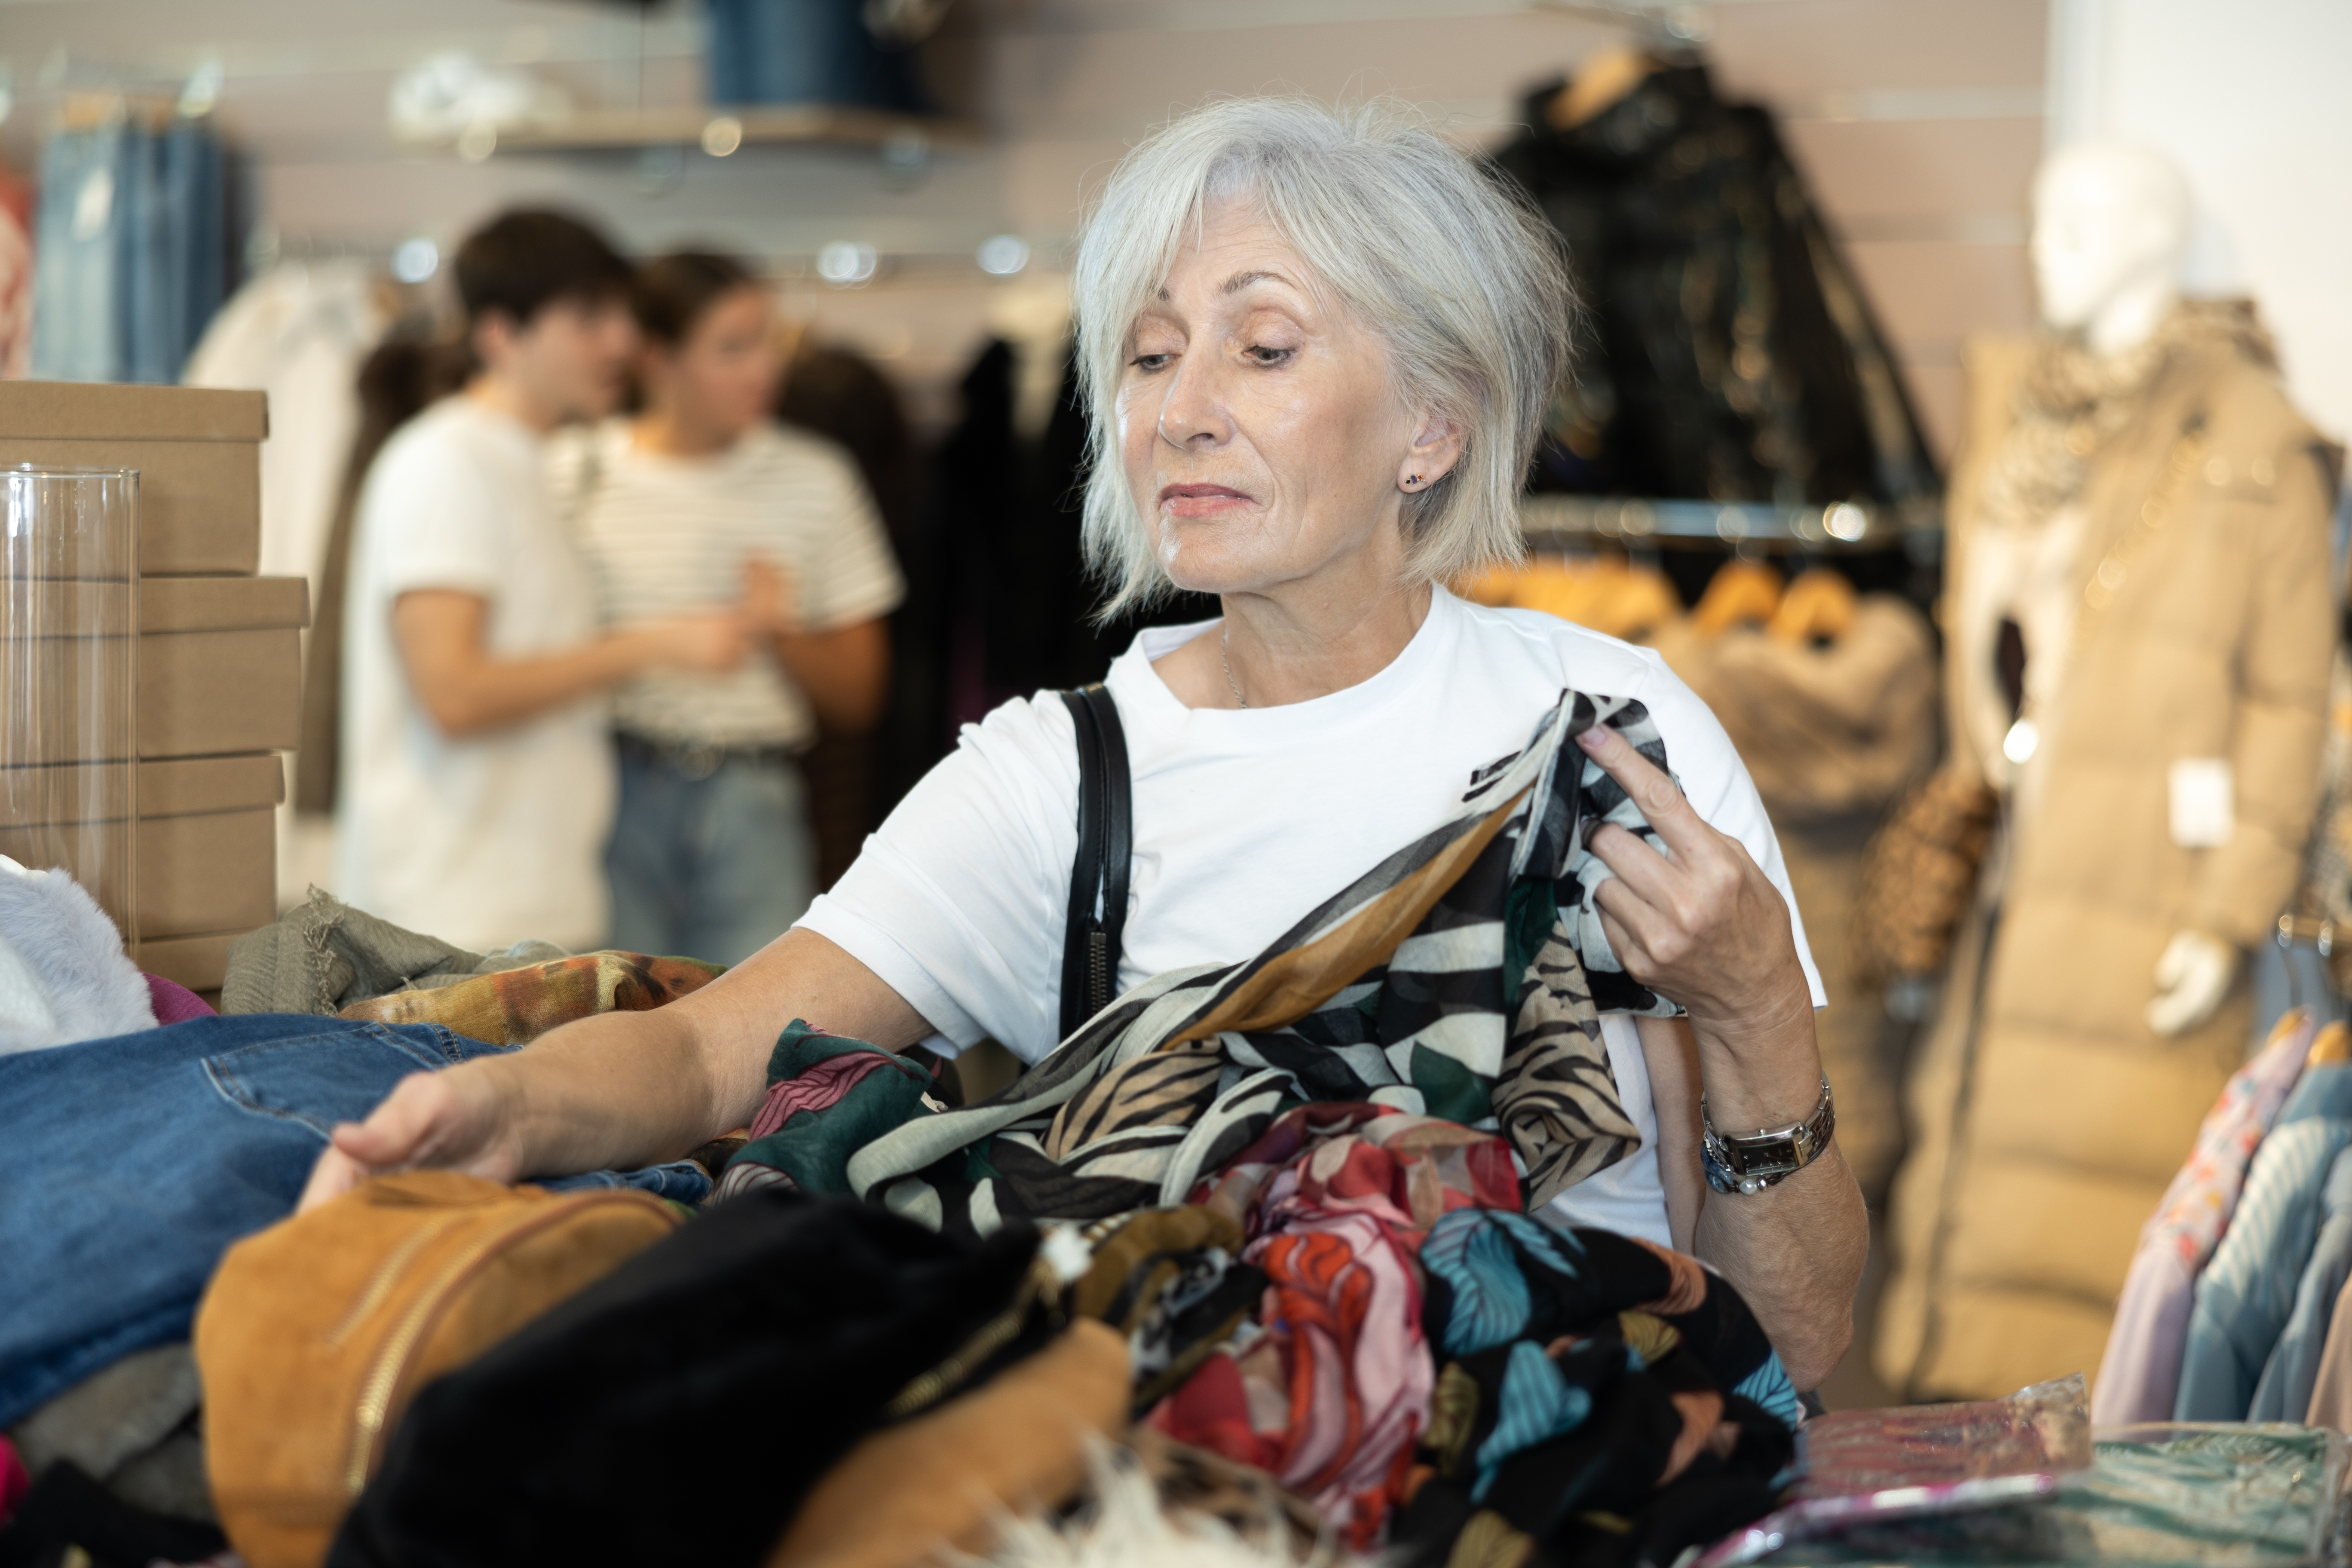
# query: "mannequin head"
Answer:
x=2110 y=224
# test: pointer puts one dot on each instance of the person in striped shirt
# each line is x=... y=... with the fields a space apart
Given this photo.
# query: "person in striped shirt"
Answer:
x=701 y=499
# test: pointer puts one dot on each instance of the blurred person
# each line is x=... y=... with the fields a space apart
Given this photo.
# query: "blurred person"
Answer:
x=477 y=777
x=700 y=498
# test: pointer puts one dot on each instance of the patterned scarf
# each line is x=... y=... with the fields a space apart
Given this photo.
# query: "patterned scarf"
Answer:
x=2072 y=400
x=1462 y=978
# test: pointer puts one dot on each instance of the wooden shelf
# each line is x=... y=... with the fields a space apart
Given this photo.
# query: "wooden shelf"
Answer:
x=693 y=126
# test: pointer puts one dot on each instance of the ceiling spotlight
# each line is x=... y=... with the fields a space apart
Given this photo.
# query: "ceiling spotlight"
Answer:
x=478 y=141
x=846 y=265
x=722 y=136
x=1002 y=255
x=416 y=260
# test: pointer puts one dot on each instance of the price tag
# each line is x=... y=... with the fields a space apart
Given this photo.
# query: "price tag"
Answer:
x=2204 y=803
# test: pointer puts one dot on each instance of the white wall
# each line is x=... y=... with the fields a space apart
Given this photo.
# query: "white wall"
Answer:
x=2250 y=98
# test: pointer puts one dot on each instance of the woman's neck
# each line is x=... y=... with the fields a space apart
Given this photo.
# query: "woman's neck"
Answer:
x=663 y=433
x=1274 y=650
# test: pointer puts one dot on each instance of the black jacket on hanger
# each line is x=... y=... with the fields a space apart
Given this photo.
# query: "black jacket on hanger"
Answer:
x=1019 y=604
x=1724 y=349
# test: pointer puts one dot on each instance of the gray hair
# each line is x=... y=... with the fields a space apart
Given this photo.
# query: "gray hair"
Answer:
x=1453 y=268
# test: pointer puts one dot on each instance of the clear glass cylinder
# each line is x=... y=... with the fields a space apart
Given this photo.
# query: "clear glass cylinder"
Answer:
x=68 y=678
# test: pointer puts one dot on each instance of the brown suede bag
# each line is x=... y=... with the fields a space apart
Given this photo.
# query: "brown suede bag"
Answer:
x=316 y=1333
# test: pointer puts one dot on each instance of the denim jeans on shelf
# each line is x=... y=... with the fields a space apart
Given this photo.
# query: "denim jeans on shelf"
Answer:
x=78 y=283
x=129 y=1166
x=713 y=868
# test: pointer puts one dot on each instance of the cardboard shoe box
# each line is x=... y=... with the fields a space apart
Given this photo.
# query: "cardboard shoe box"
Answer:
x=206 y=844
x=197 y=450
x=220 y=665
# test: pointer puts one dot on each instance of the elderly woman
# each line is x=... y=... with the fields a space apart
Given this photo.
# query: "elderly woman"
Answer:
x=1317 y=347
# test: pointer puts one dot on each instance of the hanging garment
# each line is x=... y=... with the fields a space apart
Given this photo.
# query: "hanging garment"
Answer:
x=299 y=333
x=2139 y=1375
x=16 y=281
x=394 y=384
x=2047 y=1118
x=1463 y=978
x=2292 y=1371
x=854 y=780
x=1833 y=732
x=1726 y=351
x=2247 y=1293
x=1606 y=594
x=132 y=256
x=1015 y=616
x=2331 y=1395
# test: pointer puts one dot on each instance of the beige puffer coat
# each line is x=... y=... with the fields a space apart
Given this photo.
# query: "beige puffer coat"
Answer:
x=2048 y=1116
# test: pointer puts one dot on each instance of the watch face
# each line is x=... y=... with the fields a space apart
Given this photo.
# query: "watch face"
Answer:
x=1770 y=1156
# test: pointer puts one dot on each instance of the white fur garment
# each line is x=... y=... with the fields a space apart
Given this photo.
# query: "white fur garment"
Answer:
x=63 y=973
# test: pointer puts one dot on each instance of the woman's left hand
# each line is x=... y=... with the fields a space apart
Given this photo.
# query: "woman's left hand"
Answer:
x=1702 y=926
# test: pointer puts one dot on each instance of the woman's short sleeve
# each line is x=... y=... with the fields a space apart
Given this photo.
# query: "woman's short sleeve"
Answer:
x=958 y=901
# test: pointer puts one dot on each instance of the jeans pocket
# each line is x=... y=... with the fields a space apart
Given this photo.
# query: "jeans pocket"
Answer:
x=321 y=1077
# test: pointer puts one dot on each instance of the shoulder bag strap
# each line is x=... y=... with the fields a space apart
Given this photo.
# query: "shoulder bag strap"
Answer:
x=1098 y=875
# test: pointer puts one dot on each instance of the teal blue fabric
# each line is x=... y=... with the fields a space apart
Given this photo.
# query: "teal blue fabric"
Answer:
x=1538 y=1403
x=2292 y=1371
x=2247 y=1294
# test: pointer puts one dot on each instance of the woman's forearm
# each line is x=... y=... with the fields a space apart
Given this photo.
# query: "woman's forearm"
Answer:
x=618 y=1092
x=1796 y=1249
x=844 y=673
x=625 y=1090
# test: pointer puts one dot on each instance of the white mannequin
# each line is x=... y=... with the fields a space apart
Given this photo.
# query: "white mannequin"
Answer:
x=2110 y=226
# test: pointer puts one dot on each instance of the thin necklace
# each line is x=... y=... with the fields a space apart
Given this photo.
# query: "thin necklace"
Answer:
x=1226 y=664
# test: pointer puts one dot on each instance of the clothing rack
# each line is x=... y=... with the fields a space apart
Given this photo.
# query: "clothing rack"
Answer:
x=1558 y=521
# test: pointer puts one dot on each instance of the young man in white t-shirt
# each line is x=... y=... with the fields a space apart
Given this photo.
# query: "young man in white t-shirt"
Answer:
x=477 y=771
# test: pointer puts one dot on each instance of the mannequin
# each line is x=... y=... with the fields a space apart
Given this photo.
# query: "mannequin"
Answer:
x=2110 y=226
x=2140 y=625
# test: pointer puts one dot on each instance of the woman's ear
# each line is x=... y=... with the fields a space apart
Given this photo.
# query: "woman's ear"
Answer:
x=1432 y=456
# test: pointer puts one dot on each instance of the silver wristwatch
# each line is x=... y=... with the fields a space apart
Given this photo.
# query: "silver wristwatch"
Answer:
x=1753 y=1161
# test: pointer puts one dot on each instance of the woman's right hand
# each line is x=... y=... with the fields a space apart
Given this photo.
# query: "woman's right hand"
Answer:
x=454 y=1119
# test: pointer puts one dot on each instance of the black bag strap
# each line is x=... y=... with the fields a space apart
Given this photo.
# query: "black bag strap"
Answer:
x=1091 y=943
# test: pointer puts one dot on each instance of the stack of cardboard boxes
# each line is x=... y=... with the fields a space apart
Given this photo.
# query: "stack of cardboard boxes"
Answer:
x=219 y=652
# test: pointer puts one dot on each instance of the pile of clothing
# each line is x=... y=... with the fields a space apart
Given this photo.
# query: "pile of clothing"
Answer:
x=1279 y=1223
x=2230 y=1311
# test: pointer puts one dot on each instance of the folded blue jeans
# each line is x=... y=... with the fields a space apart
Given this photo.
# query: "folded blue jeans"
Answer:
x=129 y=1166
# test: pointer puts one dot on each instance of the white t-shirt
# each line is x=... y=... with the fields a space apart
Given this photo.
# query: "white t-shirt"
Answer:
x=1245 y=821
x=494 y=838
x=667 y=535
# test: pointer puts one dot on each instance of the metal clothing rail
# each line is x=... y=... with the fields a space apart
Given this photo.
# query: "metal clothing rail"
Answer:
x=1555 y=520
